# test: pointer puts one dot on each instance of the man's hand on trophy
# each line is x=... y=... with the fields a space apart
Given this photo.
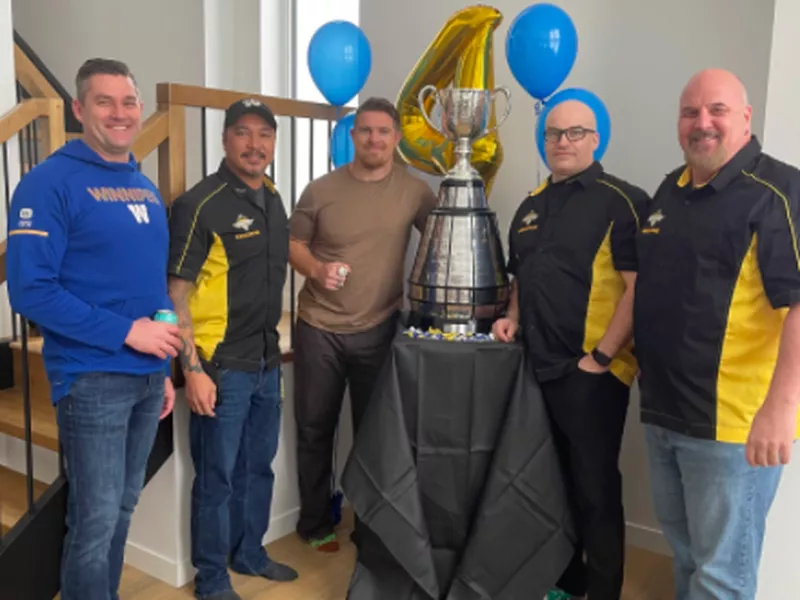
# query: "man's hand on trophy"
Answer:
x=332 y=275
x=505 y=329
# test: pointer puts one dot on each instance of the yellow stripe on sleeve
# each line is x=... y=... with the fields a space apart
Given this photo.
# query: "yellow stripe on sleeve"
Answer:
x=38 y=232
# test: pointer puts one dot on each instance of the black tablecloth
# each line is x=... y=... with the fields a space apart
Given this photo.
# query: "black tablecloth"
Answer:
x=455 y=479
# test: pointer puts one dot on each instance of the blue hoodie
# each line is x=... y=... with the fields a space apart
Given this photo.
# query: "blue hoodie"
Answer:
x=88 y=242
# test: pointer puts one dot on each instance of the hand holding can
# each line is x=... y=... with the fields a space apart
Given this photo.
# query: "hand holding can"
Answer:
x=166 y=316
x=332 y=275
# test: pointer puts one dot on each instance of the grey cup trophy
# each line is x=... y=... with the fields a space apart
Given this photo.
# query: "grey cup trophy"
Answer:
x=459 y=281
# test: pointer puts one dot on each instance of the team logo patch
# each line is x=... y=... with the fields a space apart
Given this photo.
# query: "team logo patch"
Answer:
x=652 y=223
x=655 y=218
x=243 y=222
x=530 y=217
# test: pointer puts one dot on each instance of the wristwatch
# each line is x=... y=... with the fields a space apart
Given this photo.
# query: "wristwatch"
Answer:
x=601 y=359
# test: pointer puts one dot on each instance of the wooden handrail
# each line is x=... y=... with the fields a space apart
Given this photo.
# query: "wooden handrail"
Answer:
x=202 y=97
x=24 y=113
x=154 y=131
x=19 y=117
x=30 y=78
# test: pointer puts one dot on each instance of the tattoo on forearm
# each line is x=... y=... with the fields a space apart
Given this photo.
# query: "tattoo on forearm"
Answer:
x=179 y=292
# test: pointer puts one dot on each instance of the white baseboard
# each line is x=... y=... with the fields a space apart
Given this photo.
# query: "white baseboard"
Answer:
x=179 y=573
x=155 y=565
x=648 y=538
x=282 y=525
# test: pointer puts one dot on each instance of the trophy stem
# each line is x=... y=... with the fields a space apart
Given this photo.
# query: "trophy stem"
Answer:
x=463 y=169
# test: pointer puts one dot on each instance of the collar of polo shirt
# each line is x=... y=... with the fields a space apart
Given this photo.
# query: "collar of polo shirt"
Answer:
x=584 y=178
x=729 y=170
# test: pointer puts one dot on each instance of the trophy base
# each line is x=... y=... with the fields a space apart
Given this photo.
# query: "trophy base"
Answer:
x=425 y=322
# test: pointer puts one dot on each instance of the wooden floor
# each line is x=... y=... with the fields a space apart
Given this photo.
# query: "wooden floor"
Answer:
x=326 y=577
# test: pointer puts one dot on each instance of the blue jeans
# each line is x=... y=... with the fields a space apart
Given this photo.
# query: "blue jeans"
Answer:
x=712 y=506
x=232 y=491
x=107 y=425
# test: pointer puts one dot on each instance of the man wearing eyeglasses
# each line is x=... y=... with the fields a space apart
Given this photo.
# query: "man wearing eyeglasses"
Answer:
x=572 y=254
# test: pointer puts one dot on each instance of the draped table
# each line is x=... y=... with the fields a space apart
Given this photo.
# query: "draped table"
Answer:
x=454 y=478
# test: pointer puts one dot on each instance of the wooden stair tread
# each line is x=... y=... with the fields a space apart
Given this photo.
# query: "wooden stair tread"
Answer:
x=34 y=344
x=44 y=428
x=13 y=497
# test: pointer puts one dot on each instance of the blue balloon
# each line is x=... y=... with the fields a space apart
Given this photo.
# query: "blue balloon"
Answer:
x=541 y=48
x=593 y=102
x=342 y=149
x=339 y=60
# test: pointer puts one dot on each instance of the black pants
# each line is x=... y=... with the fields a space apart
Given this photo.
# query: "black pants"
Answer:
x=588 y=412
x=324 y=363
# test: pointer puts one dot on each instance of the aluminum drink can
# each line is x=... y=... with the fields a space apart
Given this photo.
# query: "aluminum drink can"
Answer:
x=166 y=316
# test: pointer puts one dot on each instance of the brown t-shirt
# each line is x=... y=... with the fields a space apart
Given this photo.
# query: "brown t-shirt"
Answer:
x=367 y=226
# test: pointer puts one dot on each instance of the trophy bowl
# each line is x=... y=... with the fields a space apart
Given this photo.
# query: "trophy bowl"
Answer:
x=464 y=115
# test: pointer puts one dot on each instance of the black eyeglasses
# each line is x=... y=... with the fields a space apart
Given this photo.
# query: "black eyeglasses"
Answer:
x=574 y=134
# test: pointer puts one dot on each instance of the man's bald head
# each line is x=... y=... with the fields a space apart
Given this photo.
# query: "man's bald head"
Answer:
x=714 y=122
x=570 y=139
x=718 y=79
x=571 y=113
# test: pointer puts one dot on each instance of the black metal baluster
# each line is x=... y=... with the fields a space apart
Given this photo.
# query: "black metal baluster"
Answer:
x=310 y=149
x=203 y=138
x=35 y=125
x=30 y=142
x=26 y=402
x=22 y=161
x=330 y=148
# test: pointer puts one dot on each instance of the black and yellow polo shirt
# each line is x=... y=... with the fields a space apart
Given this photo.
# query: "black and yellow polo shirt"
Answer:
x=236 y=252
x=718 y=267
x=568 y=242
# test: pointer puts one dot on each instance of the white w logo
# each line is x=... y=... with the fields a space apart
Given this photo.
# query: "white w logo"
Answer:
x=139 y=213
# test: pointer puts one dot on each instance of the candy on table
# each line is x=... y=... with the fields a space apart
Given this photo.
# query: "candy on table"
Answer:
x=438 y=334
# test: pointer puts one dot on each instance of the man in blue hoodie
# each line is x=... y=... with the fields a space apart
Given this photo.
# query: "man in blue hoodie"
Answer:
x=87 y=255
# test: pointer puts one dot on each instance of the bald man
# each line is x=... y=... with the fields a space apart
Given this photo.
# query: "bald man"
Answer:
x=572 y=254
x=718 y=336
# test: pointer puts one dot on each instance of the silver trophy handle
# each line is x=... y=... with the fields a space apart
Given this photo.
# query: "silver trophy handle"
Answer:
x=421 y=99
x=504 y=91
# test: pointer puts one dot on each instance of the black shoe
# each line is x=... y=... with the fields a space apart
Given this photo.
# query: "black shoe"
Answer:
x=277 y=572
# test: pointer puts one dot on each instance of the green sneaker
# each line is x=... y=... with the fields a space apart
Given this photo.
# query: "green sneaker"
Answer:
x=328 y=544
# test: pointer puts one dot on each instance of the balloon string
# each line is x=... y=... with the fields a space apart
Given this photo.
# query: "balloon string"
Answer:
x=537 y=108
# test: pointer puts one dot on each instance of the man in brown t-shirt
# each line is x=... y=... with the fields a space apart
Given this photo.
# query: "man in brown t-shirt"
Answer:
x=349 y=235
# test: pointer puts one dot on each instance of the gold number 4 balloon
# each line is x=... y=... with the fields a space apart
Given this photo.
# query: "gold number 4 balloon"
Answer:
x=461 y=56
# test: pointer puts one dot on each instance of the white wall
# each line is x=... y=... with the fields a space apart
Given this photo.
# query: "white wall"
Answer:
x=233 y=56
x=636 y=56
x=779 y=572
